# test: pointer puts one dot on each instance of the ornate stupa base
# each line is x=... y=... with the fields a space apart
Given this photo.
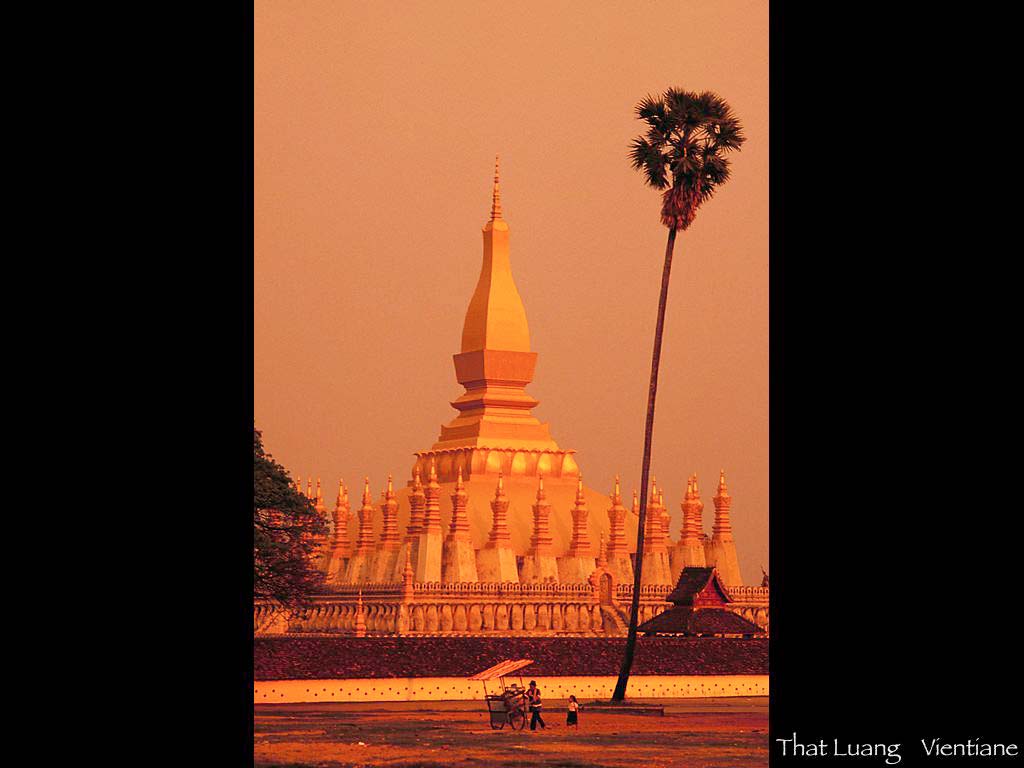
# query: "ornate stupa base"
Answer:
x=479 y=463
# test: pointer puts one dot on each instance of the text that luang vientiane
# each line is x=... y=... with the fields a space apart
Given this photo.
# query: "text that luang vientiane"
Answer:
x=892 y=754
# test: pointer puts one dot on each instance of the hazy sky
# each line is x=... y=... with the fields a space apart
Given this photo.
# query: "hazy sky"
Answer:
x=376 y=127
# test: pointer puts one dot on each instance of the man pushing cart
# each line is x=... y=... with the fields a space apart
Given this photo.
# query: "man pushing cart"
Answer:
x=510 y=705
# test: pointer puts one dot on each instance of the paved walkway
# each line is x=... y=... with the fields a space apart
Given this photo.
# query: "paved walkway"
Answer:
x=696 y=733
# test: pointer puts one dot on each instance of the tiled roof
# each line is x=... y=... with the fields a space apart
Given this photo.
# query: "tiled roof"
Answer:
x=305 y=658
x=684 y=620
x=691 y=581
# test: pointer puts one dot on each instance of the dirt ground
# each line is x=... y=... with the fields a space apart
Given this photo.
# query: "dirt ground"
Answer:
x=696 y=733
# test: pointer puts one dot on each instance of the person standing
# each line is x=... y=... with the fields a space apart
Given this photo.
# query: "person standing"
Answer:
x=572 y=718
x=533 y=696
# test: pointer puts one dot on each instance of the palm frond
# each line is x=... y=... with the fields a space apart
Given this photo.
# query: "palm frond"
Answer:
x=682 y=152
x=646 y=156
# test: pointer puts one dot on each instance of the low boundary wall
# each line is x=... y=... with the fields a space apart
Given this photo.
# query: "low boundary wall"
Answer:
x=461 y=689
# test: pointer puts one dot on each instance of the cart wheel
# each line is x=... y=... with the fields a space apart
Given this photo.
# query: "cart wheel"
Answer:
x=496 y=726
x=517 y=720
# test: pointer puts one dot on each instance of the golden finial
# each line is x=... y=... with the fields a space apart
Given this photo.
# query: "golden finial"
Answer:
x=540 y=488
x=500 y=490
x=342 y=494
x=432 y=478
x=367 y=496
x=458 y=482
x=319 y=493
x=579 y=489
x=721 y=482
x=636 y=501
x=298 y=483
x=496 y=195
x=617 y=493
x=416 y=483
x=696 y=490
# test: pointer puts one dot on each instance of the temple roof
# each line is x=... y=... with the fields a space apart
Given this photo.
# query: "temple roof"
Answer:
x=684 y=620
x=700 y=585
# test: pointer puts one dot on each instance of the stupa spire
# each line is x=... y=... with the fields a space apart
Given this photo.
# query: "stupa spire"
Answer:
x=389 y=536
x=496 y=194
x=416 y=504
x=722 y=501
x=364 y=544
x=540 y=542
x=580 y=545
x=459 y=528
x=496 y=562
x=342 y=546
x=617 y=549
x=722 y=548
x=432 y=511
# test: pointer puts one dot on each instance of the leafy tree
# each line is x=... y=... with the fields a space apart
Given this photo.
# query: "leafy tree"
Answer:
x=287 y=534
x=682 y=153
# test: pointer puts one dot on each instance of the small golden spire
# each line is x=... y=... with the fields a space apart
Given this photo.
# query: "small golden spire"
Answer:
x=540 y=488
x=309 y=488
x=636 y=502
x=459 y=485
x=342 y=493
x=367 y=496
x=416 y=483
x=721 y=482
x=407 y=572
x=319 y=493
x=696 y=491
x=298 y=483
x=579 y=489
x=432 y=478
x=496 y=195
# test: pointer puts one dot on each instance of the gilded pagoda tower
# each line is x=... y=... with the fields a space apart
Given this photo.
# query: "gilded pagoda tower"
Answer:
x=496 y=433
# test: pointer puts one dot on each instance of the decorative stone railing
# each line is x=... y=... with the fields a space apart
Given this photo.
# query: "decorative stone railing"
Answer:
x=475 y=608
x=749 y=594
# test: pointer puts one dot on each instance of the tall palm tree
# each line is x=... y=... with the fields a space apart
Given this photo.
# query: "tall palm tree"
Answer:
x=682 y=153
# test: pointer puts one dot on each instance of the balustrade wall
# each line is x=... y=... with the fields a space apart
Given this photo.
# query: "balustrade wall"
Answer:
x=475 y=608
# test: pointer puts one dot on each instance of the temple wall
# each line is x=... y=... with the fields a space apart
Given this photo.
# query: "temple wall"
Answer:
x=461 y=689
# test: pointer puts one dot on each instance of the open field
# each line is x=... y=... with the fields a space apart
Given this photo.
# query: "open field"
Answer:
x=696 y=733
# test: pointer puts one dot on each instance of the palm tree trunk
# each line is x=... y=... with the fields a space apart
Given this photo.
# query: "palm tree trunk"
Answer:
x=627 y=659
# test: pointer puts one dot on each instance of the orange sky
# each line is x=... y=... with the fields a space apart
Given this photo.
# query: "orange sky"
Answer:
x=375 y=129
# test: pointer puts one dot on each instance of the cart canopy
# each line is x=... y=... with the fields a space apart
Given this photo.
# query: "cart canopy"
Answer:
x=502 y=669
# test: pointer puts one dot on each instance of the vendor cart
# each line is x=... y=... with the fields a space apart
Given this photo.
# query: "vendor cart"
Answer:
x=508 y=703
